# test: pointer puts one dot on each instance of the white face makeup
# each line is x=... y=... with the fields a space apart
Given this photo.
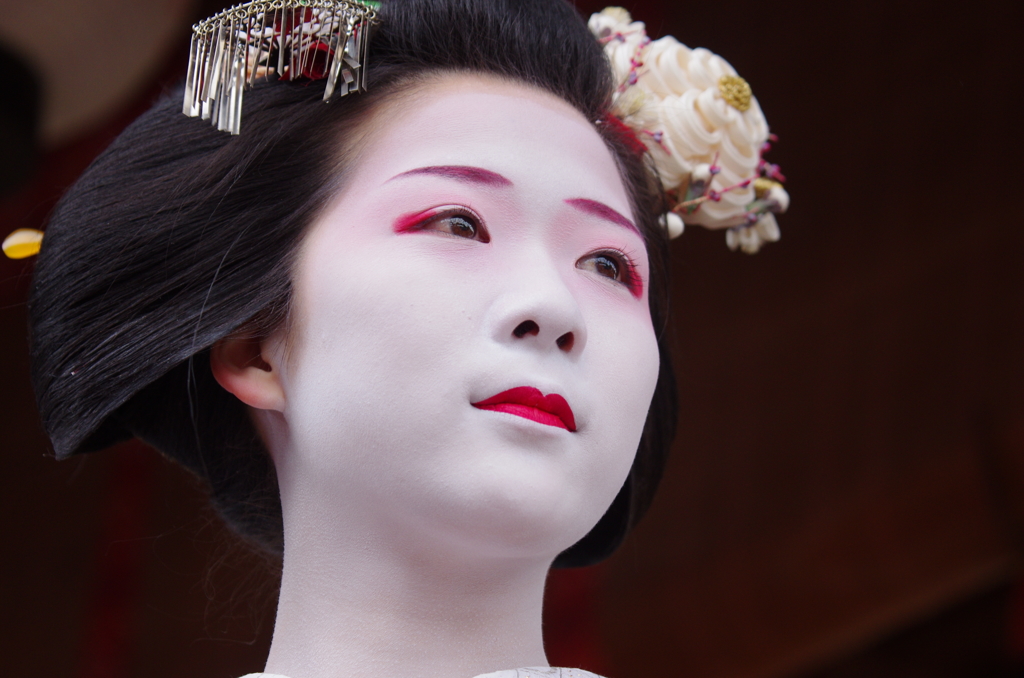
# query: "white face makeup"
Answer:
x=483 y=244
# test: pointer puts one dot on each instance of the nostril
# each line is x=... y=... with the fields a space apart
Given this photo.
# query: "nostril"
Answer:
x=526 y=327
x=565 y=342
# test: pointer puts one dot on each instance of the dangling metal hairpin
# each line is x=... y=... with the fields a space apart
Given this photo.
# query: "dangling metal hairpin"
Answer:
x=275 y=40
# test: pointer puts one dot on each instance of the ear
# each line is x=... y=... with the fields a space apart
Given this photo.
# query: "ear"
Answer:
x=240 y=365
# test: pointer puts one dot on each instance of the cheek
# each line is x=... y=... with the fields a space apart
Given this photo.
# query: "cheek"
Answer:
x=626 y=384
x=624 y=360
x=622 y=364
x=391 y=305
x=375 y=351
x=622 y=349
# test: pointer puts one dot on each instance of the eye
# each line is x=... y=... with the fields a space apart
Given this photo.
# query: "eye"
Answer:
x=604 y=265
x=457 y=222
x=614 y=266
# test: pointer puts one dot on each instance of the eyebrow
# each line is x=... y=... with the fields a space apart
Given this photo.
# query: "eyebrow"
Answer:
x=599 y=209
x=473 y=175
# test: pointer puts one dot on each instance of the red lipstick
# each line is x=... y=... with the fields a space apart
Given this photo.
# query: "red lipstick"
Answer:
x=529 y=403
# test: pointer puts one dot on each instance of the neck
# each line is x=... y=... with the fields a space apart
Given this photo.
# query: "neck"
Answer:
x=353 y=604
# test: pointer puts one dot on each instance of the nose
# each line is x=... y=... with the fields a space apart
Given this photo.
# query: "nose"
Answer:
x=538 y=310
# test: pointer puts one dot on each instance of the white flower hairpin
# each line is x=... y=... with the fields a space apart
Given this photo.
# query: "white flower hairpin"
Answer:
x=703 y=128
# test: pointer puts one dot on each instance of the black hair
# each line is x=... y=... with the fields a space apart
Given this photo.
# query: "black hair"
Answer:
x=178 y=235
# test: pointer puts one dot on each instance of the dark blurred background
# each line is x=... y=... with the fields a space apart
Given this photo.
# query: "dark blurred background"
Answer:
x=846 y=496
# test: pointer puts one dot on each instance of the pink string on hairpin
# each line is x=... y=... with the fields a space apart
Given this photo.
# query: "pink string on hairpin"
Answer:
x=635 y=64
x=657 y=137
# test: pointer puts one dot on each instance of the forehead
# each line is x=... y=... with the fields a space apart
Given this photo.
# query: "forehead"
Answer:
x=528 y=135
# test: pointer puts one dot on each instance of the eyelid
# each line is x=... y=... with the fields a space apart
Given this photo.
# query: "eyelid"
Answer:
x=415 y=221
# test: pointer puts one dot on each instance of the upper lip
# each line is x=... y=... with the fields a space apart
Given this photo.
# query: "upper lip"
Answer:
x=529 y=396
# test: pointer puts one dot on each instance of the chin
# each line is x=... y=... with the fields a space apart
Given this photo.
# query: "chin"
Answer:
x=519 y=510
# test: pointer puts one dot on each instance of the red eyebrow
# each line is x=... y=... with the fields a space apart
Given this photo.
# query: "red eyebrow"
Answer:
x=475 y=175
x=599 y=209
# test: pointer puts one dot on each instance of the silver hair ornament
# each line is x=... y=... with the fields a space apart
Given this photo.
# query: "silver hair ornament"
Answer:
x=279 y=40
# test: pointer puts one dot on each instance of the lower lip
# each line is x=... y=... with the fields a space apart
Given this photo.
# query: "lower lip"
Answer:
x=526 y=412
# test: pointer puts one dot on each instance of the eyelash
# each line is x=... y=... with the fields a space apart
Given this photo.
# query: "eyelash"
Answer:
x=628 y=275
x=424 y=221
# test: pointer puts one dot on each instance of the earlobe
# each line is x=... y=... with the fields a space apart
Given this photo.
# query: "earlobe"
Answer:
x=240 y=366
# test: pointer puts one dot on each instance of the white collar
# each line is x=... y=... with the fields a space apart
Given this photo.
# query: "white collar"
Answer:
x=529 y=672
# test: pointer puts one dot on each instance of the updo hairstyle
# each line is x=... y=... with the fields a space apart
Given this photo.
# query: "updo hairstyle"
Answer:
x=179 y=235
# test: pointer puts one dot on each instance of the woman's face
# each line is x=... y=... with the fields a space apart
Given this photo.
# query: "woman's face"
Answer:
x=483 y=245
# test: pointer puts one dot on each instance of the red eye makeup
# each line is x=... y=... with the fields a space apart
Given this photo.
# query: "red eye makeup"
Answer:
x=454 y=220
